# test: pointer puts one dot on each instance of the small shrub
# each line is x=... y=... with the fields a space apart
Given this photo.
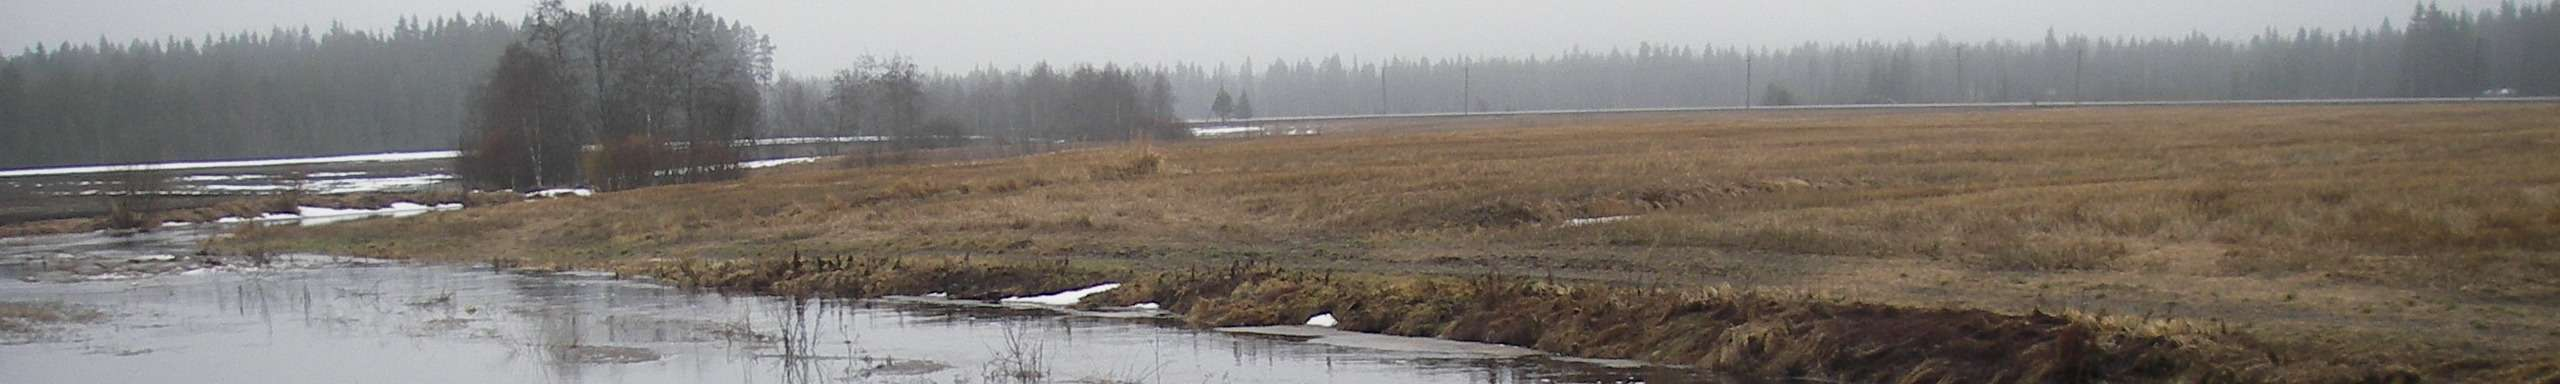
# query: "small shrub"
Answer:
x=1144 y=164
x=630 y=162
x=121 y=215
x=1504 y=213
x=913 y=189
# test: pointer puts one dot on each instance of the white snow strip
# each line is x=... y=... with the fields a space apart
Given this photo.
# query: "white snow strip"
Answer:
x=371 y=157
x=810 y=140
x=550 y=193
x=1323 y=320
x=334 y=174
x=175 y=224
x=375 y=184
x=1214 y=131
x=227 y=187
x=221 y=177
x=776 y=162
x=322 y=215
x=1146 y=305
x=1596 y=220
x=937 y=295
x=1061 y=298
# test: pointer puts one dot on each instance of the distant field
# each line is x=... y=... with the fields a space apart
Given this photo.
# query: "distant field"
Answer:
x=2418 y=234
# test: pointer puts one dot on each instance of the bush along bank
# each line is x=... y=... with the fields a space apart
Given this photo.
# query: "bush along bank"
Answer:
x=1763 y=334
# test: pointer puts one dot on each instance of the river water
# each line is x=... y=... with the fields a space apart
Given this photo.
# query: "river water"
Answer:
x=317 y=319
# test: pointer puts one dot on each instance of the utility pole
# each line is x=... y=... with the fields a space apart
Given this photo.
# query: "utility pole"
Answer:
x=1382 y=89
x=1746 y=78
x=2077 y=70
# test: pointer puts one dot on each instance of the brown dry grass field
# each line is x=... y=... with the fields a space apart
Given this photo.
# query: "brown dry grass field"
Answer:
x=2424 y=236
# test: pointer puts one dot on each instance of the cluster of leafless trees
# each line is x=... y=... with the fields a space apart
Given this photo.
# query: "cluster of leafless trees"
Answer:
x=891 y=100
x=286 y=92
x=660 y=95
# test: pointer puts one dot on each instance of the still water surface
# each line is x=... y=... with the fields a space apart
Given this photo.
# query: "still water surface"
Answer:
x=354 y=321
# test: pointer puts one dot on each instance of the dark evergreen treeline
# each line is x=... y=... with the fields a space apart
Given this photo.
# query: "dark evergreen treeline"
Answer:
x=2436 y=53
x=285 y=92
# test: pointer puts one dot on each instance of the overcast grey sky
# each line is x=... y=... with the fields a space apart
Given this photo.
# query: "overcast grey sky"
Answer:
x=819 y=35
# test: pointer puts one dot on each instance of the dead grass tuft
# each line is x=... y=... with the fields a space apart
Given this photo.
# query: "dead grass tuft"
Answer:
x=22 y=318
x=1141 y=165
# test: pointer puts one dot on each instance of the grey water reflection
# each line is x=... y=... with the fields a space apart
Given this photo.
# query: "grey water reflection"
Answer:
x=401 y=323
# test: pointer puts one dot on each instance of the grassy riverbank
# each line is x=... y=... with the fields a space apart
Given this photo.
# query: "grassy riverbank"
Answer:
x=2324 y=242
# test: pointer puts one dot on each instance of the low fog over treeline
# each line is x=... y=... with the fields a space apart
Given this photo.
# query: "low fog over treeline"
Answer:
x=416 y=86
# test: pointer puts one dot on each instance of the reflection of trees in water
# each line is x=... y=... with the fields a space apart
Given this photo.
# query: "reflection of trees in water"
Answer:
x=557 y=325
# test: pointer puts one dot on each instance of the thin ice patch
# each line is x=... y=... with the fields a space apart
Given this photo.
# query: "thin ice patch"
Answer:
x=1061 y=299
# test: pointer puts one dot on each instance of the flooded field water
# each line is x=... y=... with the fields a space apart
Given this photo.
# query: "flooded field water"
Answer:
x=331 y=320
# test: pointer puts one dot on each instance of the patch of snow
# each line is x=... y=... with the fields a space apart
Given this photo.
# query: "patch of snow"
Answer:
x=550 y=193
x=810 y=140
x=1214 y=131
x=776 y=162
x=254 y=188
x=221 y=177
x=1596 y=220
x=153 y=258
x=937 y=295
x=323 y=216
x=1323 y=320
x=175 y=223
x=375 y=184
x=1146 y=305
x=117 y=276
x=584 y=273
x=1062 y=299
x=370 y=157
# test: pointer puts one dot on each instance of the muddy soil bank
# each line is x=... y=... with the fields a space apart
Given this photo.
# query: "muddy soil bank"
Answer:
x=1764 y=334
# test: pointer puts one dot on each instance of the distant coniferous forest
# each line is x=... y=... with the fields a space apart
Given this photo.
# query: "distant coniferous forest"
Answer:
x=292 y=92
x=285 y=92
